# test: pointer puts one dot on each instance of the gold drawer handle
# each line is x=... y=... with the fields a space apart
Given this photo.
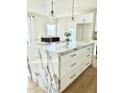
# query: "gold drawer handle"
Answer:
x=73 y=64
x=87 y=63
x=73 y=55
x=88 y=55
x=73 y=76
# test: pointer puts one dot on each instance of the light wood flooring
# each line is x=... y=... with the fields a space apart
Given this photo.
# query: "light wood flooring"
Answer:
x=33 y=88
x=85 y=83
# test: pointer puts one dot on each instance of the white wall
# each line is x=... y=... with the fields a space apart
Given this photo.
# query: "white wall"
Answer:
x=62 y=27
x=41 y=24
x=64 y=23
x=84 y=32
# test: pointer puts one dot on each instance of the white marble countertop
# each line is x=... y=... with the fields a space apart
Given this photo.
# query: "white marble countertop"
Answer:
x=60 y=47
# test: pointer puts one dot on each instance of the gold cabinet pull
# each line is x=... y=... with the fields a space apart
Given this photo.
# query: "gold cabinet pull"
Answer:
x=87 y=55
x=73 y=55
x=73 y=76
x=73 y=64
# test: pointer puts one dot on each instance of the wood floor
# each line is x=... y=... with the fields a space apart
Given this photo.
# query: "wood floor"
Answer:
x=33 y=88
x=85 y=83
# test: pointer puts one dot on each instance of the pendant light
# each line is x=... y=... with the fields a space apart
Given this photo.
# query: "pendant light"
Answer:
x=73 y=10
x=52 y=11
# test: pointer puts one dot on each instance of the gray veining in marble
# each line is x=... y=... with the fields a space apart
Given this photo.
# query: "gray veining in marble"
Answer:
x=44 y=62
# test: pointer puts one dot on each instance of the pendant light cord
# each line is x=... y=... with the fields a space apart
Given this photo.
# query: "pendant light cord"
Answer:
x=73 y=10
x=52 y=4
x=52 y=12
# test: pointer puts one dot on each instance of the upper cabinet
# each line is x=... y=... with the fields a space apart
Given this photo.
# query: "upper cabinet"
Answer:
x=84 y=18
x=88 y=18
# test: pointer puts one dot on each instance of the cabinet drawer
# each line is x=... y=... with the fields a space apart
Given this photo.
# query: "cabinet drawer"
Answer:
x=84 y=58
x=88 y=57
x=75 y=53
x=77 y=61
x=67 y=57
x=72 y=64
x=69 y=77
x=88 y=49
x=65 y=68
x=84 y=66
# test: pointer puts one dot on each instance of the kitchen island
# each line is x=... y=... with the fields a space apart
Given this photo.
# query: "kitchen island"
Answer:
x=54 y=66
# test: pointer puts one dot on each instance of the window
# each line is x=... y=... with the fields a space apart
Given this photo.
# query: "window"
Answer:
x=73 y=33
x=51 y=30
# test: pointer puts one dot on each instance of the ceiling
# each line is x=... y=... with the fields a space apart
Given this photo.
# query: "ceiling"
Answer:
x=62 y=8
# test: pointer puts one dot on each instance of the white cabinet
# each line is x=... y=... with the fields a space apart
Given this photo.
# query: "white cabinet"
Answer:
x=54 y=70
x=88 y=18
x=73 y=64
x=85 y=18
